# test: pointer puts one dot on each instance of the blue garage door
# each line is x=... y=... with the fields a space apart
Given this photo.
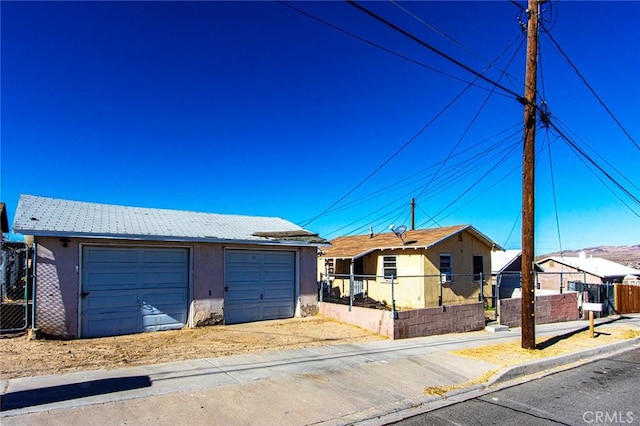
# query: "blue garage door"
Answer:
x=259 y=285
x=131 y=290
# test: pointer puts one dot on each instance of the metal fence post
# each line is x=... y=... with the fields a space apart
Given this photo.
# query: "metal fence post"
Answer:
x=393 y=298
x=481 y=295
x=440 y=296
x=351 y=278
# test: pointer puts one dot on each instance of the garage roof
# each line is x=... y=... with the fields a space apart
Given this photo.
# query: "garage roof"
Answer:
x=359 y=245
x=42 y=216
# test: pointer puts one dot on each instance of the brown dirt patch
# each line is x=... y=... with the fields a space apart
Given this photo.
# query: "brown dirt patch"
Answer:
x=20 y=357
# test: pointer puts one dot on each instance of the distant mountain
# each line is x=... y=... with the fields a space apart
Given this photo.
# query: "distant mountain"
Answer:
x=625 y=255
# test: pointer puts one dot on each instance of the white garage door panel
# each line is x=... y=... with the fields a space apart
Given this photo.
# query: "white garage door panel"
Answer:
x=260 y=285
x=129 y=290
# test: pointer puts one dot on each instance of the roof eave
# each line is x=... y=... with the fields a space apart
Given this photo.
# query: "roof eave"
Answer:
x=167 y=238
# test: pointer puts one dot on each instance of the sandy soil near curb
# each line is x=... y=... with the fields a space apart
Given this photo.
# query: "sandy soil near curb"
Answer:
x=508 y=354
x=20 y=357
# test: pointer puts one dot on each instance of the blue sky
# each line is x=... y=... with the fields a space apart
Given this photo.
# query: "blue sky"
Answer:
x=254 y=108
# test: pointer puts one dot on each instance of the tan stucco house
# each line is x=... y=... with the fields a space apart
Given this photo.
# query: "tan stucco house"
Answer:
x=427 y=267
x=104 y=270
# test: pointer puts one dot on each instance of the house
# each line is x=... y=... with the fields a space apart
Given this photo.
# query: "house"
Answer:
x=560 y=270
x=105 y=270
x=505 y=273
x=506 y=270
x=423 y=268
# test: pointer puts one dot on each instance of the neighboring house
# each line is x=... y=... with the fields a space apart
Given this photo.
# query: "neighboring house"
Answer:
x=105 y=270
x=506 y=271
x=558 y=271
x=428 y=267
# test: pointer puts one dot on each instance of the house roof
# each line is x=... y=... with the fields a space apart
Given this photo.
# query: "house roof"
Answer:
x=597 y=266
x=501 y=259
x=41 y=216
x=359 y=245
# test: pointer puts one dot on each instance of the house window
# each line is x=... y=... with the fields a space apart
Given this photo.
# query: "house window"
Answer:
x=446 y=268
x=389 y=267
x=329 y=266
x=478 y=268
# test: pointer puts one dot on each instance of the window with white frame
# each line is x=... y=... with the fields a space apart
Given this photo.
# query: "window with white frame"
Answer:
x=446 y=267
x=389 y=267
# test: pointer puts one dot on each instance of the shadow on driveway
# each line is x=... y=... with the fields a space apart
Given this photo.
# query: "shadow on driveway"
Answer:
x=32 y=397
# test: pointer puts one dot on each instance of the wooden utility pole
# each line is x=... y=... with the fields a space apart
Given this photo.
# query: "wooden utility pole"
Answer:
x=413 y=214
x=528 y=179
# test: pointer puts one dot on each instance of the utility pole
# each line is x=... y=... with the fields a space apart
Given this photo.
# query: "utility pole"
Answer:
x=528 y=179
x=413 y=214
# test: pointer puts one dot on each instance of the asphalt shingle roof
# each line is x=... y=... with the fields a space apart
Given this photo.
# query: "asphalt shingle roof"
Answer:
x=359 y=245
x=43 y=216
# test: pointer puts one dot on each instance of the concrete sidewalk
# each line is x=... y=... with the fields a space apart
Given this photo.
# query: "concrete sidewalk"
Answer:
x=372 y=382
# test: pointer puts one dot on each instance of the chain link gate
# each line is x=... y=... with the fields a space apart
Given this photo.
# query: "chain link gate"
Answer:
x=15 y=287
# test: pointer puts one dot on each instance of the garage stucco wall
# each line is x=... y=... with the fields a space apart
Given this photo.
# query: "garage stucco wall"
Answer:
x=56 y=291
x=58 y=267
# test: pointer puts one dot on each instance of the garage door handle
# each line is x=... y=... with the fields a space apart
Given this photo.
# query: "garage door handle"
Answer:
x=226 y=288
x=261 y=296
x=84 y=294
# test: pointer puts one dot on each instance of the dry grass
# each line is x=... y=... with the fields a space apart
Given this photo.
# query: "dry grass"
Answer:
x=508 y=354
x=20 y=357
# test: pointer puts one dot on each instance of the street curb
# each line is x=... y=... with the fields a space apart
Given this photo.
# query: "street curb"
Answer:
x=533 y=367
x=499 y=381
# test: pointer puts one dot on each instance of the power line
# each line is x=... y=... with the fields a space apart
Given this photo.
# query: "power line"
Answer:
x=594 y=163
x=553 y=189
x=378 y=46
x=475 y=117
x=448 y=37
x=406 y=144
x=591 y=89
x=435 y=50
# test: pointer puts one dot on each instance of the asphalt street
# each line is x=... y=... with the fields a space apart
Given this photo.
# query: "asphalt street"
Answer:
x=597 y=393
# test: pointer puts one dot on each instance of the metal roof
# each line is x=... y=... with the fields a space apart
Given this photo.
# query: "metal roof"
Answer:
x=357 y=246
x=42 y=216
x=501 y=259
x=597 y=266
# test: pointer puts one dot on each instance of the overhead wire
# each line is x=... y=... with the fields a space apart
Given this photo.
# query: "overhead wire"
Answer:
x=553 y=190
x=436 y=50
x=406 y=144
x=448 y=37
x=477 y=114
x=469 y=188
x=590 y=160
x=591 y=89
x=377 y=45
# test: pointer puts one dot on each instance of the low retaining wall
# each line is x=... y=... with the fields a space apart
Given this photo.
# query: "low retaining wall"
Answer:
x=550 y=308
x=410 y=323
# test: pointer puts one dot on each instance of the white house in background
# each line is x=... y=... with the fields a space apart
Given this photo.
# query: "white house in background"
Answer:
x=559 y=270
x=104 y=270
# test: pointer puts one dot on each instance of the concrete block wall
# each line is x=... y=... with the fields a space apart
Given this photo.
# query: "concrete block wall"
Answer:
x=375 y=320
x=439 y=320
x=410 y=323
x=549 y=309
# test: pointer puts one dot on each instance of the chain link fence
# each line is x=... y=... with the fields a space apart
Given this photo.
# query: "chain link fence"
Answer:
x=15 y=287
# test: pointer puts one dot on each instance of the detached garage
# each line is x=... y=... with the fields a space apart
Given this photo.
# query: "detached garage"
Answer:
x=104 y=270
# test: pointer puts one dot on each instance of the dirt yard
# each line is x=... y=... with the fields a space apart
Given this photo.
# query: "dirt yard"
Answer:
x=20 y=357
